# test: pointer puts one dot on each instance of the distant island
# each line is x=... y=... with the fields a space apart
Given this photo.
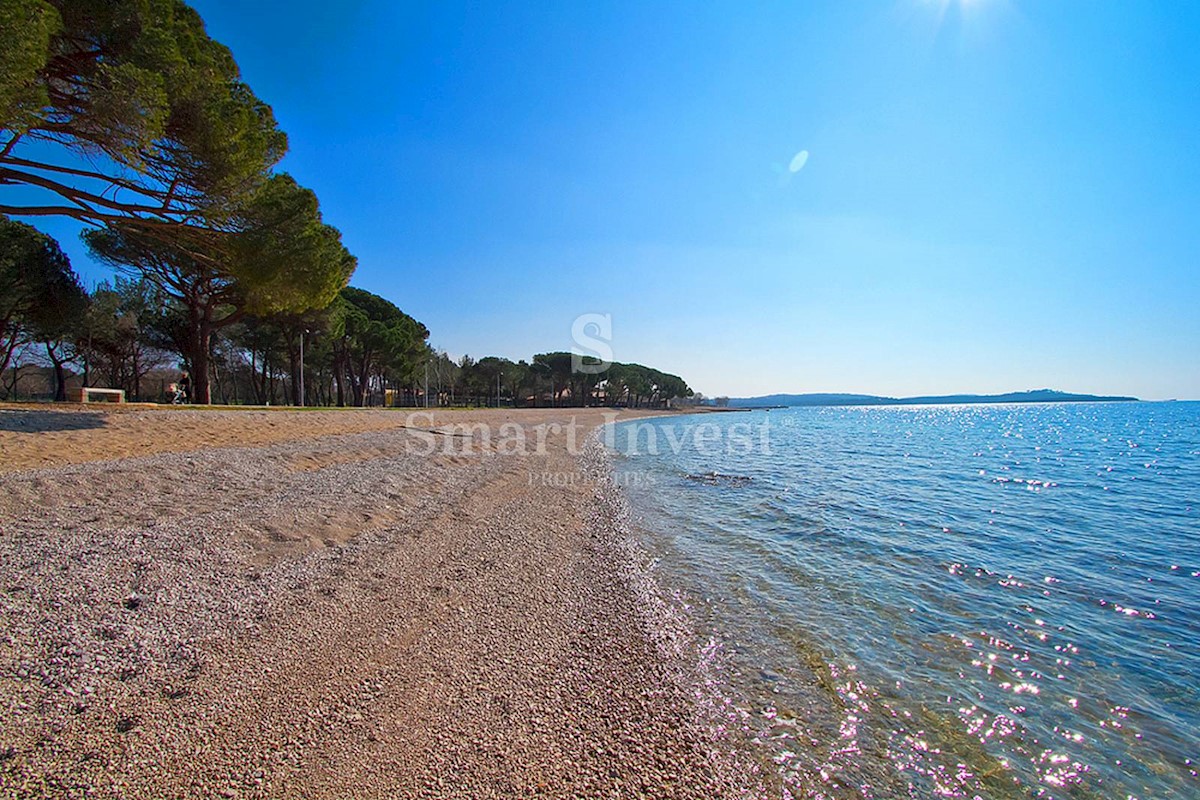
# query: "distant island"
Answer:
x=1031 y=396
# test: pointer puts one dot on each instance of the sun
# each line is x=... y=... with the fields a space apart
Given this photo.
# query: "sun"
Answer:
x=943 y=6
x=957 y=13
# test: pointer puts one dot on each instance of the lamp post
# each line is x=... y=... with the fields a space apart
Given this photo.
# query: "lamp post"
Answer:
x=498 y=376
x=302 y=367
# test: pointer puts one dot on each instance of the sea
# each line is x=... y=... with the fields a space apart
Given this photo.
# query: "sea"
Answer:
x=959 y=601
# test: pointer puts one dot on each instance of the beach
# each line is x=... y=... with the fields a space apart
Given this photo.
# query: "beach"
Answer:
x=348 y=603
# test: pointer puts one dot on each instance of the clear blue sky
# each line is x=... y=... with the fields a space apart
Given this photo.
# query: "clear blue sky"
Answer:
x=999 y=195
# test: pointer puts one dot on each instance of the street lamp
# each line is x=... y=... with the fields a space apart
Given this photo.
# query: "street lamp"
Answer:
x=498 y=376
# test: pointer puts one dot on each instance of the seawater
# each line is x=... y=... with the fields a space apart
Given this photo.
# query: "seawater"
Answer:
x=941 y=601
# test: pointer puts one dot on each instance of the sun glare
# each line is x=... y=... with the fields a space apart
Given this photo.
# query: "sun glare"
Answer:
x=959 y=15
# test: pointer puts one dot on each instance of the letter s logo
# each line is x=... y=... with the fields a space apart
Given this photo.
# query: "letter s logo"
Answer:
x=593 y=336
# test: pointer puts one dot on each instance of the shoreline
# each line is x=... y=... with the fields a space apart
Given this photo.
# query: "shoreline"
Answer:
x=317 y=611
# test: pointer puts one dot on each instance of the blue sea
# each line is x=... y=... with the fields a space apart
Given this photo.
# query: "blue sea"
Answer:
x=993 y=601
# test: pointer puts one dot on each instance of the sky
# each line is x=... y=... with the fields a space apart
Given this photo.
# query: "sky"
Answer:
x=998 y=195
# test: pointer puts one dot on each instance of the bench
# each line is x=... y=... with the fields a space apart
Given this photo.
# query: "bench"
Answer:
x=87 y=394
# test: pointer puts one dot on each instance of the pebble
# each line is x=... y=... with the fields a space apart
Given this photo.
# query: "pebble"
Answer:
x=551 y=660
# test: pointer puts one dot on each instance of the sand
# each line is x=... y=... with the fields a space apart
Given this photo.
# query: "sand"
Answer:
x=333 y=604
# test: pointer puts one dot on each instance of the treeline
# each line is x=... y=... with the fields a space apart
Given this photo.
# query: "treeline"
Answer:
x=130 y=335
x=126 y=116
x=360 y=350
x=549 y=379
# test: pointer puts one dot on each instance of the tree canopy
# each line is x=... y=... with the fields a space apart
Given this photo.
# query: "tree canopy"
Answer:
x=158 y=145
x=284 y=258
x=281 y=259
x=376 y=338
x=39 y=292
x=153 y=110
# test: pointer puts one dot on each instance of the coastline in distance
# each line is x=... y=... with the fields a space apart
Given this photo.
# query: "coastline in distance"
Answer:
x=837 y=399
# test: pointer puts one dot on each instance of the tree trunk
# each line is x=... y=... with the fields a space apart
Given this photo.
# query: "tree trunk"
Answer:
x=341 y=365
x=218 y=380
x=8 y=335
x=136 y=387
x=60 y=377
x=259 y=378
x=359 y=383
x=201 y=340
x=294 y=368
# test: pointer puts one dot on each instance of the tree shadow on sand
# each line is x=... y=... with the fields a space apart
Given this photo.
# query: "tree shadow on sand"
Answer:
x=27 y=421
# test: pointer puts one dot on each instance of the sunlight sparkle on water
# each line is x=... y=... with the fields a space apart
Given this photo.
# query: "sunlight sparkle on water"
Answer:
x=991 y=579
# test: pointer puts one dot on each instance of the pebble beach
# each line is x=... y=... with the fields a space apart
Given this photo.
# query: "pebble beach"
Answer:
x=357 y=603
